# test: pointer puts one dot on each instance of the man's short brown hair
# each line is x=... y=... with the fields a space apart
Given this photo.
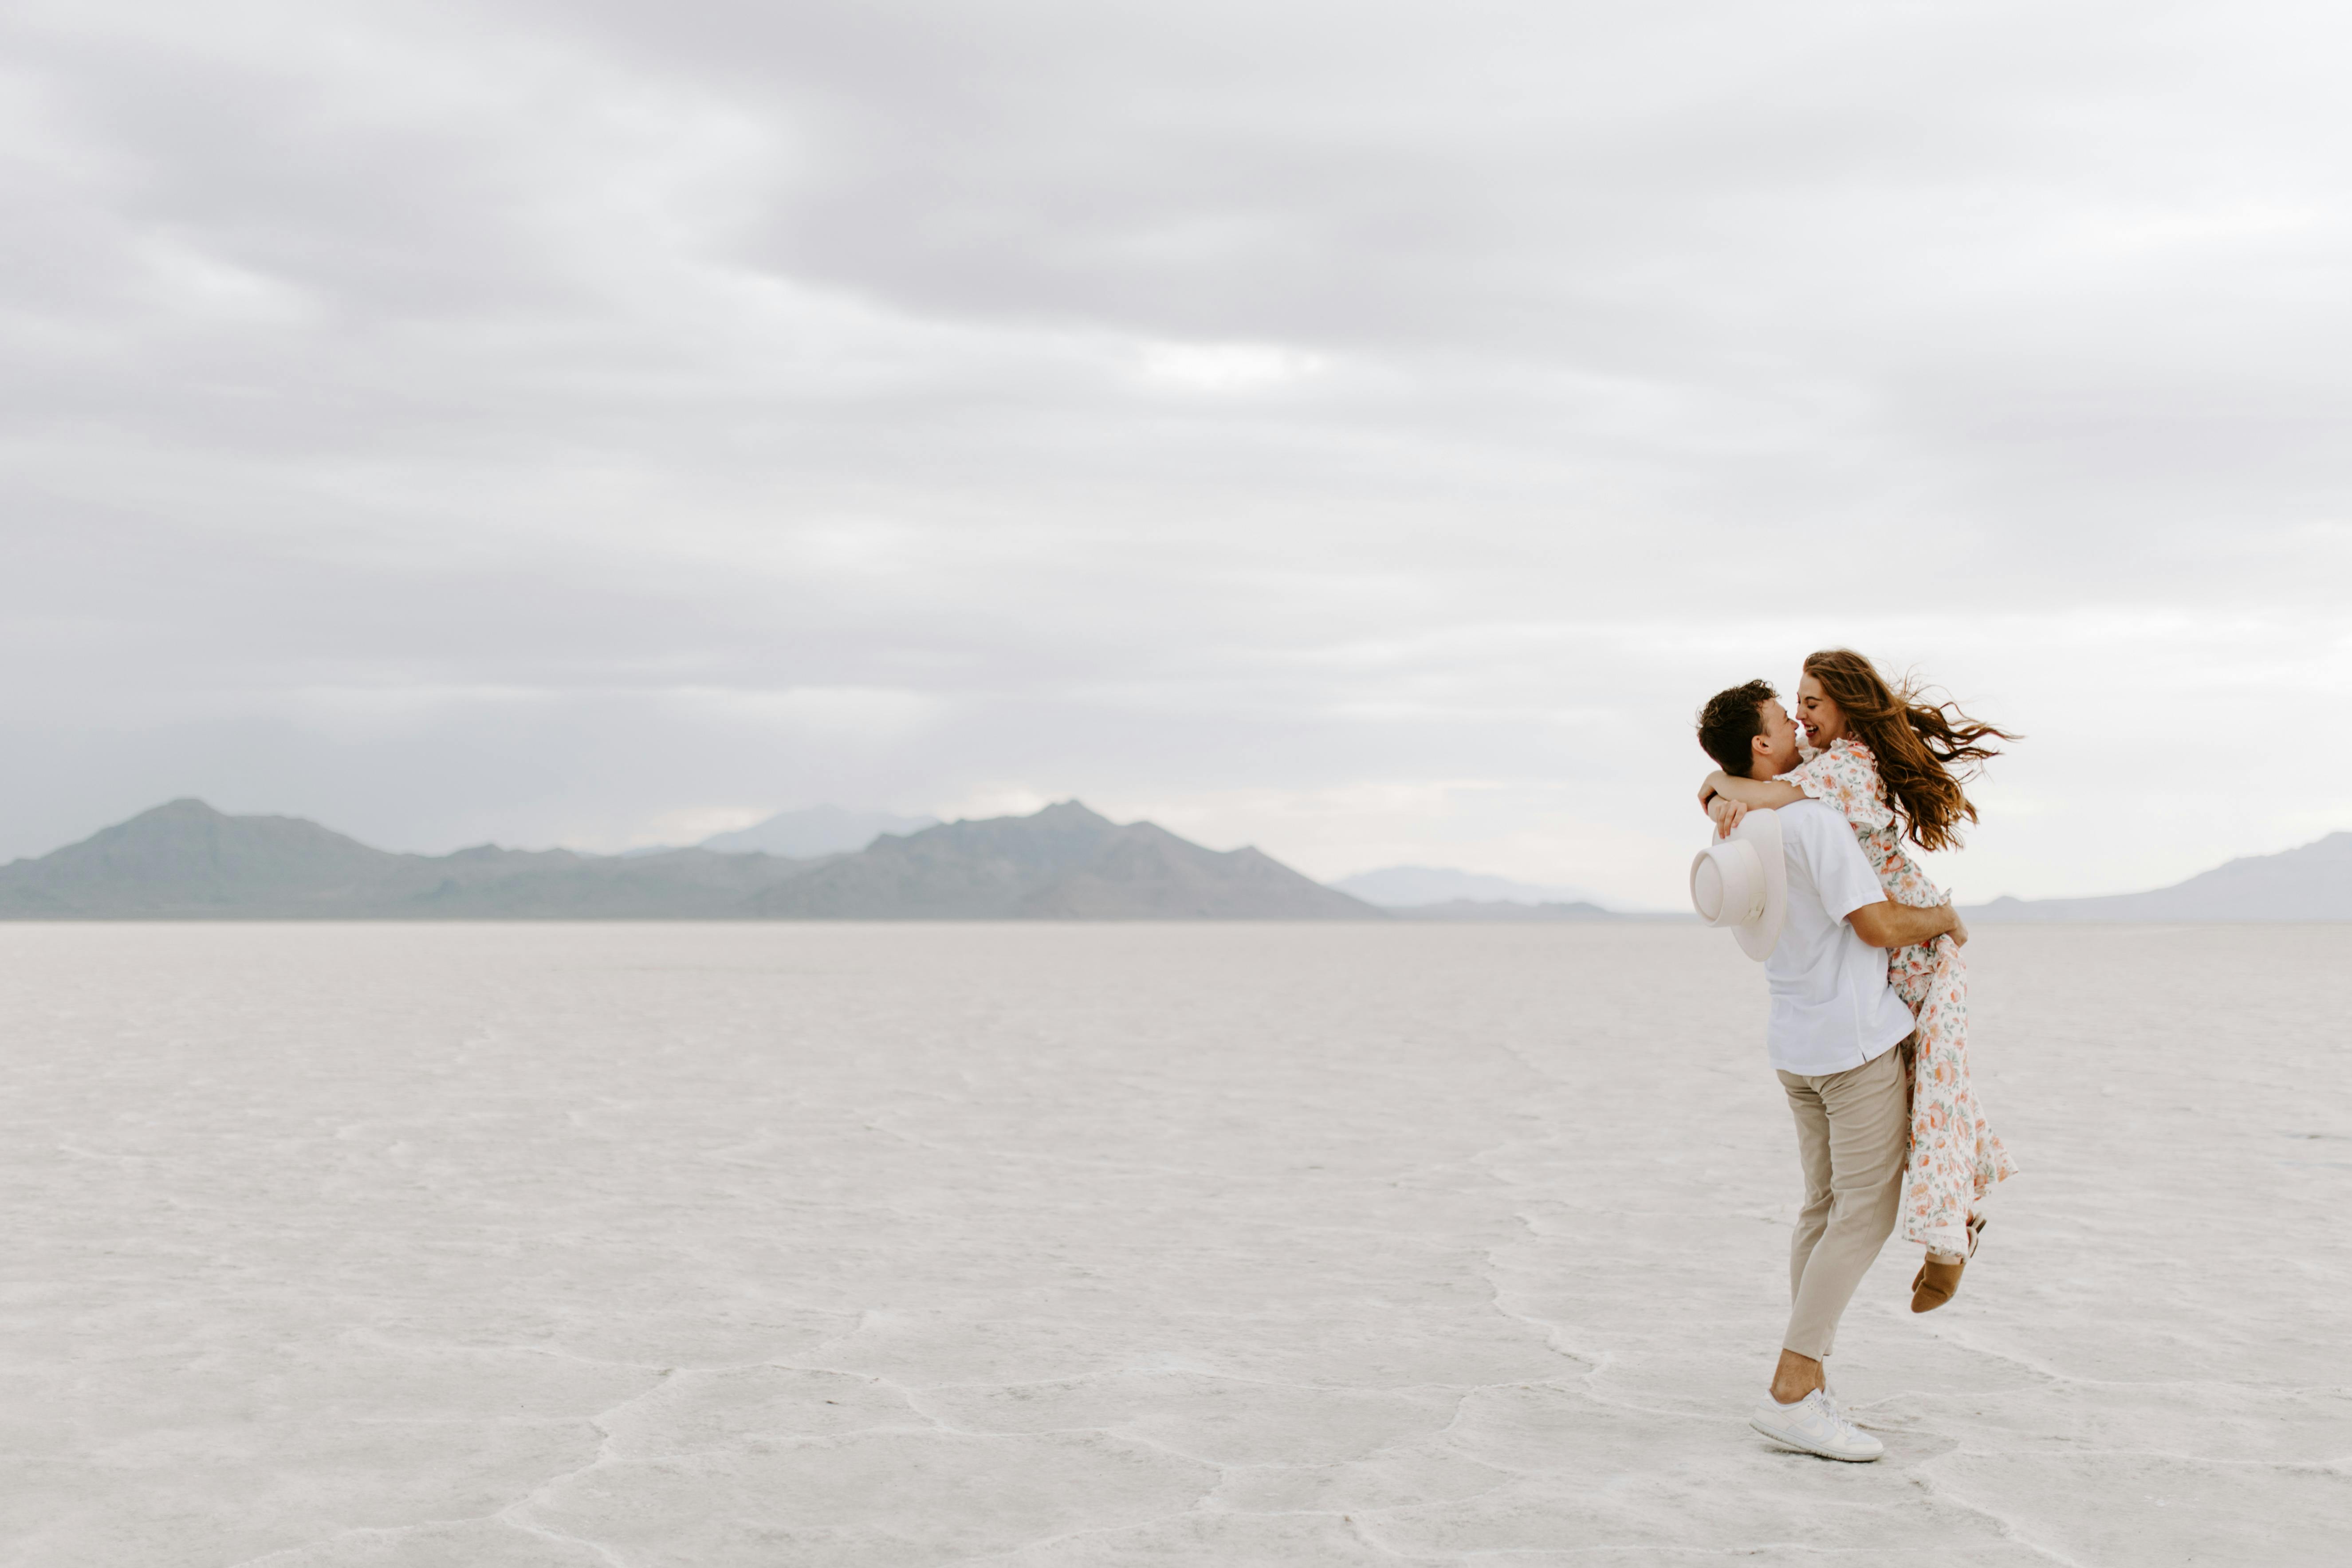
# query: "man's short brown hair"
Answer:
x=1729 y=723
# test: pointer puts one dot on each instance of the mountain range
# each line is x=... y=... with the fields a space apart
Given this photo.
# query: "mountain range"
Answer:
x=804 y=834
x=1445 y=893
x=2313 y=882
x=185 y=860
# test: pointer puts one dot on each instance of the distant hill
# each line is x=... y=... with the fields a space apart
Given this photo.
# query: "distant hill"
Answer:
x=1505 y=909
x=2310 y=883
x=186 y=861
x=1067 y=863
x=186 y=858
x=815 y=830
x=1404 y=886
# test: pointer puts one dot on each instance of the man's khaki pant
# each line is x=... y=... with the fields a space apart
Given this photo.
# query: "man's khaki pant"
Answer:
x=1852 y=1127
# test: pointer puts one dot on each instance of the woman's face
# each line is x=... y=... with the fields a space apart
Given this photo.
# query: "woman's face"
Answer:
x=1819 y=715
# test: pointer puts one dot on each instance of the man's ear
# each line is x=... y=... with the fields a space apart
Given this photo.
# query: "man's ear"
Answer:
x=1759 y=751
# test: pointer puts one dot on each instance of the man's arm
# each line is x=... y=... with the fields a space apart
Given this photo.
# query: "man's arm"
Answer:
x=1820 y=846
x=1890 y=925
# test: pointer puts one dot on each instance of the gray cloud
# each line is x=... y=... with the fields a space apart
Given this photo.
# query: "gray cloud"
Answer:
x=1366 y=431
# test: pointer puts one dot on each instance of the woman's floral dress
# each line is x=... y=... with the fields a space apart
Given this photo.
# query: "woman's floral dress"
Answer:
x=1955 y=1157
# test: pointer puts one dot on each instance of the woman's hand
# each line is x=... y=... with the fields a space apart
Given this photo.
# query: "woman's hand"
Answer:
x=1727 y=814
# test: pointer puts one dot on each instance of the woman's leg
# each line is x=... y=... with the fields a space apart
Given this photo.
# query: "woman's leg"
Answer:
x=1954 y=1156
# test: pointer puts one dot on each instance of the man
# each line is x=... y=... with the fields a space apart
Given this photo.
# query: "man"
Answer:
x=1834 y=1028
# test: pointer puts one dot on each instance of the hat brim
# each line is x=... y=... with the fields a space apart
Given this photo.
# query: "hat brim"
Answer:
x=1760 y=936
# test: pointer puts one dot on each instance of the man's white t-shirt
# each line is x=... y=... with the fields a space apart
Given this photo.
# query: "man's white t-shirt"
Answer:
x=1832 y=1008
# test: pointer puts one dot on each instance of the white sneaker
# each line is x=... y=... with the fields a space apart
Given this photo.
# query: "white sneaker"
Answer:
x=1814 y=1424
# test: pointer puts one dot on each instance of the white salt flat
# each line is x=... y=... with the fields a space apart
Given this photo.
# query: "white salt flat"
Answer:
x=1062 y=1245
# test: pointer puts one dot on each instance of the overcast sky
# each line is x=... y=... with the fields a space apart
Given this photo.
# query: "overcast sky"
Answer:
x=1364 y=431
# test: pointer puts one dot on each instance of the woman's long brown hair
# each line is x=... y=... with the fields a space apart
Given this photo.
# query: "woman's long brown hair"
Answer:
x=1924 y=748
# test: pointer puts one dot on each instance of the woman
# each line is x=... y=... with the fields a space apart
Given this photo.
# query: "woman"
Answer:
x=1893 y=764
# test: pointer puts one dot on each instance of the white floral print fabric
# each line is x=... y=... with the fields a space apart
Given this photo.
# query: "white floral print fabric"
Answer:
x=1955 y=1157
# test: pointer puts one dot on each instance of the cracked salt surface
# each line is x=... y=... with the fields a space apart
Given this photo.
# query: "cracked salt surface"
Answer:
x=693 y=1247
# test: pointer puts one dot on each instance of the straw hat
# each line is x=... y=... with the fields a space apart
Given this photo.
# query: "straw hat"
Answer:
x=1743 y=883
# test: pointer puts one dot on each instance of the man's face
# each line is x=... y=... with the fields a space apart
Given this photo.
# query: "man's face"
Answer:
x=1776 y=748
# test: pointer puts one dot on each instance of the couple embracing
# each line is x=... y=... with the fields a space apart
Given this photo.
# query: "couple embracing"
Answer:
x=1868 y=1027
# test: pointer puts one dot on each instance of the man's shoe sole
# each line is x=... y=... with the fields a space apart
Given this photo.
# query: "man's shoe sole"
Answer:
x=1794 y=1446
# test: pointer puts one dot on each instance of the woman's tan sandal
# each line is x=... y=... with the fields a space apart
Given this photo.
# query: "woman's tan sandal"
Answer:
x=1976 y=1232
x=1934 y=1284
